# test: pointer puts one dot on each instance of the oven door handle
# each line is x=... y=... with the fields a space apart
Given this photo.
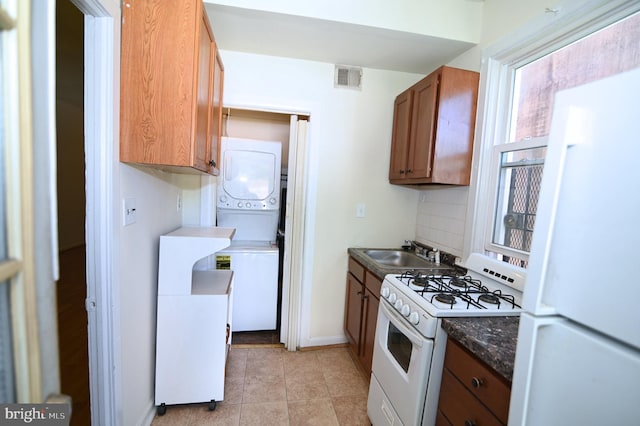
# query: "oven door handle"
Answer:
x=399 y=322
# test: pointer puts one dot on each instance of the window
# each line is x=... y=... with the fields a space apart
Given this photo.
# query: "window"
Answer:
x=19 y=353
x=7 y=387
x=584 y=47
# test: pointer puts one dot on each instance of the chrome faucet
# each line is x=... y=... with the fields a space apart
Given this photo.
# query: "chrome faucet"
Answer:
x=414 y=247
x=434 y=255
x=410 y=243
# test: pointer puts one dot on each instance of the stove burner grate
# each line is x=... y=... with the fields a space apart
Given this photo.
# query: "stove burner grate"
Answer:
x=453 y=287
x=458 y=282
x=489 y=298
x=446 y=298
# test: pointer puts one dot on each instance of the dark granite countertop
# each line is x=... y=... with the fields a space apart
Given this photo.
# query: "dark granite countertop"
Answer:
x=491 y=339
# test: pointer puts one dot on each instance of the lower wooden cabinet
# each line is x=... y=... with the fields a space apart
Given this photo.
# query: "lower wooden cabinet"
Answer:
x=361 y=312
x=471 y=393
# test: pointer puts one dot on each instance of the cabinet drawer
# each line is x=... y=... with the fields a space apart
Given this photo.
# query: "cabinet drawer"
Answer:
x=487 y=385
x=356 y=269
x=460 y=407
x=373 y=283
x=441 y=420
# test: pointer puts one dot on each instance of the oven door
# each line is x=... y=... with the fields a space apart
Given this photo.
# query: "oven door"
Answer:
x=401 y=363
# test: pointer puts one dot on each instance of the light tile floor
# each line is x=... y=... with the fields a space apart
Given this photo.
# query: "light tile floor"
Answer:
x=272 y=386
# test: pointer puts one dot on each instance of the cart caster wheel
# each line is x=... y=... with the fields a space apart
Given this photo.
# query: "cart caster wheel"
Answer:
x=212 y=405
x=162 y=408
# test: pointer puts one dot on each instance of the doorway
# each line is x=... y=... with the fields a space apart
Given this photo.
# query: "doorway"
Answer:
x=282 y=127
x=72 y=286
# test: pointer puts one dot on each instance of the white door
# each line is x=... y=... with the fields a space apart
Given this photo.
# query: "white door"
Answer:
x=294 y=237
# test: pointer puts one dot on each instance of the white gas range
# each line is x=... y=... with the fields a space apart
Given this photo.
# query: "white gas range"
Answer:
x=410 y=343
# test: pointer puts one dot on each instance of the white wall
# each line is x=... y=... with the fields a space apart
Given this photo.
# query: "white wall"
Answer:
x=441 y=218
x=441 y=213
x=453 y=19
x=155 y=193
x=349 y=137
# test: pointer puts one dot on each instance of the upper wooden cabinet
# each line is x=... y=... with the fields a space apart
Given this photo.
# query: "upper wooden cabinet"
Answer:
x=433 y=126
x=171 y=86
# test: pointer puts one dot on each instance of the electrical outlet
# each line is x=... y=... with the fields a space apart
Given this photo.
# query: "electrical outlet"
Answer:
x=128 y=211
x=360 y=210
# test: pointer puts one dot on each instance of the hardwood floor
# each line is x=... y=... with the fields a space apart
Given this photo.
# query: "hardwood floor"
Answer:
x=73 y=334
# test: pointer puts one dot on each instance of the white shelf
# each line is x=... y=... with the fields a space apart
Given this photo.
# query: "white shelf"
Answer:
x=212 y=282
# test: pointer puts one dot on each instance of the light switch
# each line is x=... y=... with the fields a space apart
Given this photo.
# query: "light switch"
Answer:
x=128 y=211
x=360 y=210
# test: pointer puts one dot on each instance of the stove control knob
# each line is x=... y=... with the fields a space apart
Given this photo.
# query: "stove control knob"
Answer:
x=414 y=318
x=248 y=204
x=272 y=200
x=223 y=199
x=239 y=204
x=385 y=292
x=398 y=304
x=392 y=298
x=406 y=309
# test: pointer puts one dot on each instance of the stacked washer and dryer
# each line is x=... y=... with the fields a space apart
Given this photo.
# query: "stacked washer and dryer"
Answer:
x=248 y=199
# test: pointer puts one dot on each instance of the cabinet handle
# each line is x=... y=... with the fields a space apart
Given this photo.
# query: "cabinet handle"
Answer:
x=401 y=172
x=476 y=383
x=469 y=423
x=409 y=171
x=212 y=163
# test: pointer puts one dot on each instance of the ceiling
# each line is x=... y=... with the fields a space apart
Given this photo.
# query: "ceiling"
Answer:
x=276 y=34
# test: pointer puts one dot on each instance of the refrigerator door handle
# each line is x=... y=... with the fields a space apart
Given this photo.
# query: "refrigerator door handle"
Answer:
x=565 y=134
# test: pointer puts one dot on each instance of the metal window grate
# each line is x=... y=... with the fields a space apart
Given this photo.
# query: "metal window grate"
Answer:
x=521 y=209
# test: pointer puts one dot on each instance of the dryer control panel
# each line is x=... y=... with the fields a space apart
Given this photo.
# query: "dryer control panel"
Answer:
x=224 y=201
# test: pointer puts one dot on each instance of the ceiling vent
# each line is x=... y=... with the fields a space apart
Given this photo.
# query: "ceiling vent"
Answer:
x=348 y=77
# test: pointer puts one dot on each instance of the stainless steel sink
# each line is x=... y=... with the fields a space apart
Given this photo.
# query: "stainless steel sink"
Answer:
x=400 y=259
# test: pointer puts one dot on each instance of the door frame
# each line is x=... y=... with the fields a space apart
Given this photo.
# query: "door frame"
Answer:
x=101 y=104
x=296 y=264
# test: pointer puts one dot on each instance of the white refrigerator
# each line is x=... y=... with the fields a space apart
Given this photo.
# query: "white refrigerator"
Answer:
x=578 y=354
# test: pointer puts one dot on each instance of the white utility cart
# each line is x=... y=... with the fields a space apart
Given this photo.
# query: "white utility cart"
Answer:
x=193 y=318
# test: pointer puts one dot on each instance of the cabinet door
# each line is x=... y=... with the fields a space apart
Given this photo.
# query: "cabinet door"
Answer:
x=216 y=110
x=456 y=117
x=421 y=145
x=353 y=314
x=157 y=82
x=480 y=380
x=460 y=407
x=401 y=134
x=202 y=149
x=369 y=319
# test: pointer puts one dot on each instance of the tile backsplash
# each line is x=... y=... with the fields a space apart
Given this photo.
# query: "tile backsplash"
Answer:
x=441 y=218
